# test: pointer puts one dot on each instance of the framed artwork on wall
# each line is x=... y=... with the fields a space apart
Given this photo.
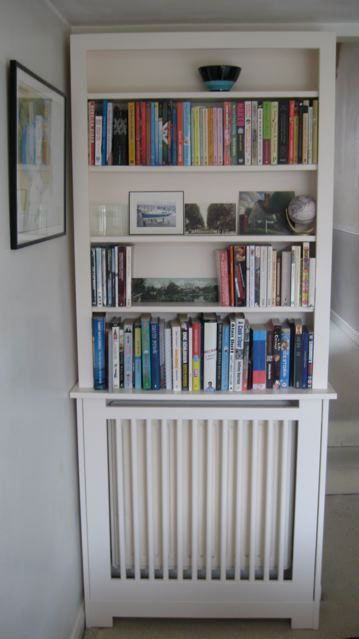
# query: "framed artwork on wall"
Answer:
x=37 y=154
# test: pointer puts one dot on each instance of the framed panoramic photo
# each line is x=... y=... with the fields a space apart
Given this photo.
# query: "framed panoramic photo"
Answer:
x=37 y=124
x=156 y=212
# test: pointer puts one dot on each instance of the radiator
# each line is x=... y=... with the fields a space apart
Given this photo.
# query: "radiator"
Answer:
x=201 y=499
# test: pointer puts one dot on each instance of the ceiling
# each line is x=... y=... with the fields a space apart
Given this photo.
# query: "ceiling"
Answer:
x=132 y=12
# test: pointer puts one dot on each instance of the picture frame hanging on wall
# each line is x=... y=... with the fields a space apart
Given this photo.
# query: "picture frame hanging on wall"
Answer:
x=156 y=212
x=37 y=156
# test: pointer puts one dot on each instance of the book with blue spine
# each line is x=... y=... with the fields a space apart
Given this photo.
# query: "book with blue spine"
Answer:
x=259 y=343
x=146 y=353
x=225 y=357
x=99 y=351
x=305 y=347
x=155 y=354
x=104 y=134
x=137 y=354
x=284 y=356
x=187 y=134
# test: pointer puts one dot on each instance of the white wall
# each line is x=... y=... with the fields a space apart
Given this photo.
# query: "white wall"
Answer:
x=345 y=286
x=40 y=565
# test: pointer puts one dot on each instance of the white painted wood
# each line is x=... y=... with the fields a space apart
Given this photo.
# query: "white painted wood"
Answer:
x=185 y=396
x=199 y=239
x=204 y=169
x=202 y=96
x=207 y=308
x=284 y=431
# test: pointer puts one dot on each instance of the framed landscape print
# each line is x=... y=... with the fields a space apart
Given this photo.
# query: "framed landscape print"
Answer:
x=156 y=212
x=37 y=125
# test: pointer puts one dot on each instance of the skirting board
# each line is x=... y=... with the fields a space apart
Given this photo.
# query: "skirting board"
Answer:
x=79 y=625
x=345 y=327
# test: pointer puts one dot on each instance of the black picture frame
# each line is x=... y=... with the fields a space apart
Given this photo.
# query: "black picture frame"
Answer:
x=37 y=158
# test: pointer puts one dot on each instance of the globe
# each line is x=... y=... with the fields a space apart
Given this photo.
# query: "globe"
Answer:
x=301 y=213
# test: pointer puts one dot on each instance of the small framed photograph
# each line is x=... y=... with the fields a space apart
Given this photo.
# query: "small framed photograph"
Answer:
x=156 y=212
x=37 y=126
x=210 y=218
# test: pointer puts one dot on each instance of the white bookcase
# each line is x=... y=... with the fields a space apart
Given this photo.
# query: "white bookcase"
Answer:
x=193 y=504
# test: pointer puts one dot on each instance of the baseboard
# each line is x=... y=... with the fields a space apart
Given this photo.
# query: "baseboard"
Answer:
x=79 y=625
x=345 y=327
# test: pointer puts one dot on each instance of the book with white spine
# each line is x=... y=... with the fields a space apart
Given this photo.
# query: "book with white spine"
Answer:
x=176 y=356
x=232 y=339
x=98 y=140
x=209 y=353
x=238 y=355
x=263 y=276
x=248 y=133
x=273 y=301
x=115 y=356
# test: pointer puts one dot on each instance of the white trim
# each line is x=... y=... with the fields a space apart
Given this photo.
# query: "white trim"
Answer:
x=344 y=229
x=344 y=326
x=56 y=12
x=79 y=625
x=344 y=30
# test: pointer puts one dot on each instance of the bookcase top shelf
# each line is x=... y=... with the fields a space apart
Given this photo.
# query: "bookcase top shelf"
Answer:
x=201 y=95
x=201 y=239
x=196 y=308
x=253 y=168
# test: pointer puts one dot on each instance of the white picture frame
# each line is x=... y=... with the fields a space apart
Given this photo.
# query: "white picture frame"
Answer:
x=156 y=212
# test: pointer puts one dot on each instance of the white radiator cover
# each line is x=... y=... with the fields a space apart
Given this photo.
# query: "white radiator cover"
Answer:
x=202 y=511
x=212 y=499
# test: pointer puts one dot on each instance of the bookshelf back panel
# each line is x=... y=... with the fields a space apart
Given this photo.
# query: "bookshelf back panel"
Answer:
x=177 y=70
x=203 y=187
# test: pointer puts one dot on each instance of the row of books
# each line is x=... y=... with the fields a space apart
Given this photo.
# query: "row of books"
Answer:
x=260 y=275
x=182 y=133
x=210 y=353
x=111 y=275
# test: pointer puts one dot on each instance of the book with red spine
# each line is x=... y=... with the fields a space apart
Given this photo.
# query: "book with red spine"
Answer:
x=240 y=131
x=231 y=274
x=196 y=355
x=180 y=138
x=148 y=133
x=91 y=132
x=223 y=276
x=227 y=133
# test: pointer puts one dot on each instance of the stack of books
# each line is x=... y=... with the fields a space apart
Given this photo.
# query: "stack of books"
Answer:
x=111 y=276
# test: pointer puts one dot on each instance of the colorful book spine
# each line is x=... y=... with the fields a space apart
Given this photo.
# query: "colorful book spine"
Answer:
x=248 y=133
x=146 y=352
x=305 y=274
x=285 y=357
x=168 y=357
x=155 y=354
x=91 y=132
x=234 y=148
x=283 y=131
x=254 y=132
x=259 y=338
x=138 y=355
x=260 y=134
x=219 y=354
x=209 y=355
x=305 y=346
x=240 y=131
x=274 y=133
x=238 y=355
x=99 y=351
x=196 y=356
x=185 y=354
x=128 y=354
x=187 y=134
x=115 y=356
x=232 y=341
x=225 y=358
x=227 y=133
x=223 y=276
x=312 y=275
x=98 y=140
x=310 y=358
x=131 y=134
x=267 y=108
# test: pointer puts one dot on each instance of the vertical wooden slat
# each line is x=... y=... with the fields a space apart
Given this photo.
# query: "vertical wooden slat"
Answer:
x=209 y=504
x=282 y=498
x=224 y=482
x=253 y=501
x=113 y=489
x=164 y=481
x=179 y=509
x=237 y=538
x=195 y=506
x=268 y=501
x=135 y=499
x=120 y=499
x=149 y=490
